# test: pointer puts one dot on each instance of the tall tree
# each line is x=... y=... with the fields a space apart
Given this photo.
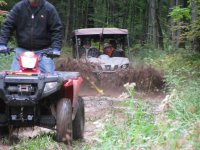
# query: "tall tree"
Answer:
x=195 y=33
x=155 y=35
x=68 y=21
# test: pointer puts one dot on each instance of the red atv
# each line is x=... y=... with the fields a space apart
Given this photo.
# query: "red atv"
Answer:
x=29 y=97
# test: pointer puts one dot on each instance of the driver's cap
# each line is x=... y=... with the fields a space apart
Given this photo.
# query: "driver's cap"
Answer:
x=106 y=45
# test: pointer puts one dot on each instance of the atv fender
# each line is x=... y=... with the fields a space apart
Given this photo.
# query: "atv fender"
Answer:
x=72 y=87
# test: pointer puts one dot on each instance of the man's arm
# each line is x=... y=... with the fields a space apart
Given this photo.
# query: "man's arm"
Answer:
x=56 y=30
x=8 y=26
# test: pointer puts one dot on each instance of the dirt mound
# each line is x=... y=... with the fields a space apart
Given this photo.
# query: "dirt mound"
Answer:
x=70 y=64
x=146 y=77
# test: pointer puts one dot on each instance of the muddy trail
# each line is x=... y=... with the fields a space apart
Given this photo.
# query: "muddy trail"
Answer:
x=101 y=98
x=98 y=109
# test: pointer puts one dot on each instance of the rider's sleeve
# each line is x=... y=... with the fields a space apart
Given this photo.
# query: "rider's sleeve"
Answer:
x=9 y=25
x=55 y=29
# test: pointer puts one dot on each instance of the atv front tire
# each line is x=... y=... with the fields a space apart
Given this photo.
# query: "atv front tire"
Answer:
x=64 y=121
x=79 y=121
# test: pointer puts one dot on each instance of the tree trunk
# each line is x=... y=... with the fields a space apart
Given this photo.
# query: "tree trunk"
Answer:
x=196 y=40
x=180 y=43
x=90 y=21
x=145 y=37
x=152 y=22
x=160 y=34
x=155 y=35
x=173 y=34
x=69 y=22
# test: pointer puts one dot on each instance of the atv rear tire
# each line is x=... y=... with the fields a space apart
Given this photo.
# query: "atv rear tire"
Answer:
x=64 y=121
x=79 y=121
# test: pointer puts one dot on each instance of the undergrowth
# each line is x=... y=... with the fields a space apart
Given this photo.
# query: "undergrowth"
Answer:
x=174 y=128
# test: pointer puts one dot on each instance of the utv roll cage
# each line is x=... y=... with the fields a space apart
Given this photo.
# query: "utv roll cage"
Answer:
x=100 y=35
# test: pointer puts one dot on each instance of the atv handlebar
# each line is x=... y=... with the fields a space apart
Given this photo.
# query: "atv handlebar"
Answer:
x=47 y=52
x=6 y=51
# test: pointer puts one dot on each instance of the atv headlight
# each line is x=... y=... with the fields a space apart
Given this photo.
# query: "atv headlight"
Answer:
x=51 y=86
x=124 y=66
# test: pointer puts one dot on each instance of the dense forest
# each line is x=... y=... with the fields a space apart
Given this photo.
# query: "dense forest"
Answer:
x=156 y=22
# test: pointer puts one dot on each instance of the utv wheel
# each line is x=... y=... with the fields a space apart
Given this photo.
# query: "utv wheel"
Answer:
x=79 y=120
x=64 y=121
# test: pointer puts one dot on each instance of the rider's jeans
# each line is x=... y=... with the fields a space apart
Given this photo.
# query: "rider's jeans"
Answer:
x=46 y=65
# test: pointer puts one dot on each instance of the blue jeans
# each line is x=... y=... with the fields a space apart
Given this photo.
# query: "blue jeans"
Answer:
x=46 y=65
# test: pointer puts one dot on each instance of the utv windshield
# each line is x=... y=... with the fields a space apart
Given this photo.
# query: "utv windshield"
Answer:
x=92 y=42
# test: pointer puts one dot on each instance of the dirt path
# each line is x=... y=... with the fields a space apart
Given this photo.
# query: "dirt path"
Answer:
x=100 y=108
x=97 y=109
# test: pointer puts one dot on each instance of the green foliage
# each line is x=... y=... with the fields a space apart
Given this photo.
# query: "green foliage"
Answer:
x=187 y=23
x=178 y=14
x=194 y=32
x=66 y=51
x=2 y=16
x=5 y=61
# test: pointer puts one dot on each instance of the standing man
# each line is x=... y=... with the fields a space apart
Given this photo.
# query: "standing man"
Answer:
x=37 y=26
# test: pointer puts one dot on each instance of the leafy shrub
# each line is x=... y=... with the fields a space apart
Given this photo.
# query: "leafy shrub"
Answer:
x=5 y=61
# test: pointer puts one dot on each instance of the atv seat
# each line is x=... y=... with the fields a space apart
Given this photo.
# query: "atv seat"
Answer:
x=68 y=75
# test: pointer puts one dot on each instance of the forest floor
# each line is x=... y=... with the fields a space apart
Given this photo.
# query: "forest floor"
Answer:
x=98 y=108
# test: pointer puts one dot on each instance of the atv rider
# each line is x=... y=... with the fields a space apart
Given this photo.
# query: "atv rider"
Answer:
x=109 y=50
x=38 y=27
x=88 y=51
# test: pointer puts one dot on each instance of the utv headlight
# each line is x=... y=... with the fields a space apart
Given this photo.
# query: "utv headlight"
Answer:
x=51 y=86
x=124 y=66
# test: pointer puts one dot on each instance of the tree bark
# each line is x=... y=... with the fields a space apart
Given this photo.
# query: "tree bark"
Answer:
x=90 y=21
x=173 y=34
x=196 y=40
x=69 y=22
x=155 y=35
x=160 y=34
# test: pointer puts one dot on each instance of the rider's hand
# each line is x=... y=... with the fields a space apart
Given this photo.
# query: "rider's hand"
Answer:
x=4 y=49
x=56 y=52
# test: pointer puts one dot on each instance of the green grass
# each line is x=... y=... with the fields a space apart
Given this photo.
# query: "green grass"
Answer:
x=42 y=142
x=178 y=127
x=137 y=131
